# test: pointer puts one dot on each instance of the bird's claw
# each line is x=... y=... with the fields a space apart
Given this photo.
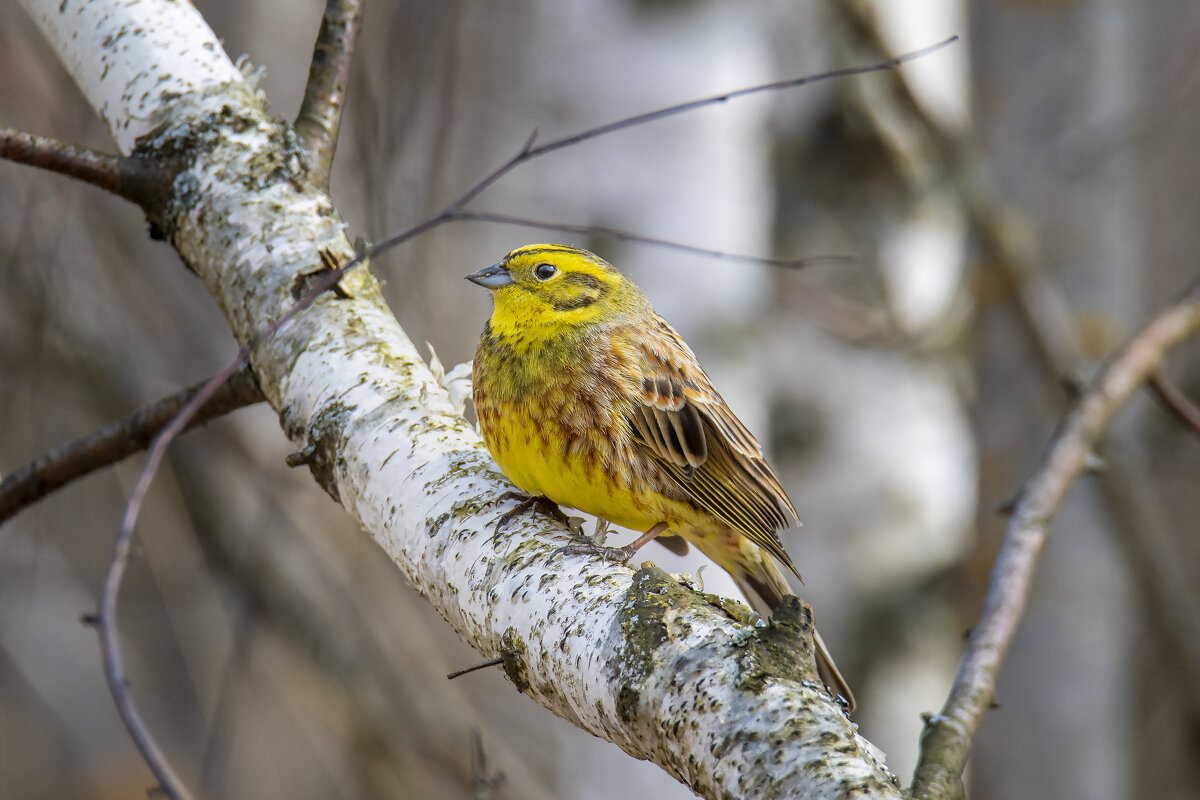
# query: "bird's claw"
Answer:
x=586 y=547
x=526 y=502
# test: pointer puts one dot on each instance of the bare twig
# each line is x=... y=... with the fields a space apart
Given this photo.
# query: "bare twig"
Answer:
x=129 y=178
x=99 y=169
x=320 y=115
x=627 y=236
x=108 y=445
x=1176 y=401
x=458 y=673
x=455 y=210
x=106 y=619
x=529 y=152
x=946 y=741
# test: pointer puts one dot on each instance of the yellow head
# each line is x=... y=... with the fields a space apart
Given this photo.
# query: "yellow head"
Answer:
x=545 y=291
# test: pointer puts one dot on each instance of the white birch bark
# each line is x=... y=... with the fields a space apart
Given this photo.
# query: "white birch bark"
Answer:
x=668 y=674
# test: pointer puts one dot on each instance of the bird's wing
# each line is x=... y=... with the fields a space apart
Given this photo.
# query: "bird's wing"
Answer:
x=685 y=424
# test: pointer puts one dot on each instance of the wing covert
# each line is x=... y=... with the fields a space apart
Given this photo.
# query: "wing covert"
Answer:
x=685 y=424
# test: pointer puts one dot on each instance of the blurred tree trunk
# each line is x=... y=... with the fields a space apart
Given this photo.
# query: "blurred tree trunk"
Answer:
x=1051 y=80
x=1162 y=128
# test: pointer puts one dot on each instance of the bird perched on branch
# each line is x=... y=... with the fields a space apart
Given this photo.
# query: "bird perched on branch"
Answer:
x=588 y=398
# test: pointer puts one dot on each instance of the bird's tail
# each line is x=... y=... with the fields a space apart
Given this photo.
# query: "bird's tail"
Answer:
x=765 y=589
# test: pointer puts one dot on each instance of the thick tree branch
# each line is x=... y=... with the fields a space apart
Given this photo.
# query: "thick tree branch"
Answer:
x=946 y=742
x=118 y=440
x=731 y=708
x=320 y=115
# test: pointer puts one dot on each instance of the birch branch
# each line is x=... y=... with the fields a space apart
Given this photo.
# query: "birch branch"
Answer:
x=320 y=116
x=668 y=674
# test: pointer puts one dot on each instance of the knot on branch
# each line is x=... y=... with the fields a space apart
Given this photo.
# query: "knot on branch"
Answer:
x=782 y=649
x=161 y=159
x=512 y=658
x=656 y=604
x=322 y=454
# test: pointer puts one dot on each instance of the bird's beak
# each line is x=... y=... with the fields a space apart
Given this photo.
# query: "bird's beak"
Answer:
x=492 y=277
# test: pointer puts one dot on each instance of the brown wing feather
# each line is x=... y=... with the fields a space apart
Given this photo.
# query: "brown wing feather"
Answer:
x=685 y=424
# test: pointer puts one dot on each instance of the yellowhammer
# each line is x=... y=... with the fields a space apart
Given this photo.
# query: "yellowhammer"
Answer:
x=588 y=398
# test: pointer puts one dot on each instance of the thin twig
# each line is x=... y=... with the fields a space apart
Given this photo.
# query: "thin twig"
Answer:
x=946 y=740
x=129 y=178
x=90 y=166
x=320 y=116
x=529 y=152
x=491 y=662
x=1176 y=401
x=1011 y=248
x=106 y=619
x=626 y=236
x=30 y=483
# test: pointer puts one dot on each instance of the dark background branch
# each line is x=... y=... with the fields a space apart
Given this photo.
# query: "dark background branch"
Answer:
x=47 y=473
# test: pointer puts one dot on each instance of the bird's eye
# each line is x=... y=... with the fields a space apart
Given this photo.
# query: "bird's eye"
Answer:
x=545 y=272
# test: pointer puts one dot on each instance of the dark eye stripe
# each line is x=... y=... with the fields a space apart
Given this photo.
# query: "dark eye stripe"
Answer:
x=571 y=305
x=583 y=279
x=597 y=287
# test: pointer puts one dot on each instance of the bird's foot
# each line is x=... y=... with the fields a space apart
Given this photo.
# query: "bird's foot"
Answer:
x=586 y=547
x=617 y=555
x=526 y=502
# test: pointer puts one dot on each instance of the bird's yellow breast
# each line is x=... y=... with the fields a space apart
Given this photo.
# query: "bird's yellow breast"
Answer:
x=543 y=456
x=571 y=444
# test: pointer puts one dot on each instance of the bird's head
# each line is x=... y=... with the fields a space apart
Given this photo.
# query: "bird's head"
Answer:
x=543 y=291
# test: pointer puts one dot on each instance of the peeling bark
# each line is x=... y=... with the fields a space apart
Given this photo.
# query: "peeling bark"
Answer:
x=669 y=674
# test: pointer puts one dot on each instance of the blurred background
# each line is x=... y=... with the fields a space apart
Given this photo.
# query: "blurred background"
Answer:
x=1015 y=205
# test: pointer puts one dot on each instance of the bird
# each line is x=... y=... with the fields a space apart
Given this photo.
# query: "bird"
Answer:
x=587 y=398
